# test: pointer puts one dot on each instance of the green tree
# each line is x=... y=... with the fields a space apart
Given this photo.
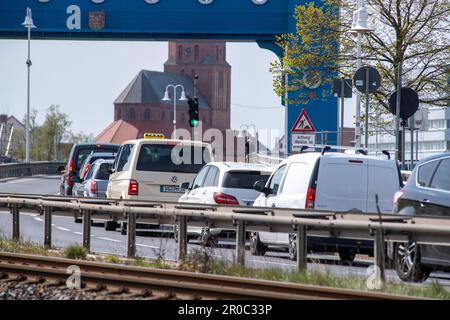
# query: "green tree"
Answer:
x=49 y=134
x=81 y=137
x=411 y=32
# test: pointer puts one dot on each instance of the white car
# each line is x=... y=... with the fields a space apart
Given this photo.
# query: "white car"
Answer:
x=153 y=169
x=328 y=182
x=224 y=183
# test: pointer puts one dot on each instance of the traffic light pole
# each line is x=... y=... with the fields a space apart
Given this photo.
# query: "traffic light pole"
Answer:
x=397 y=111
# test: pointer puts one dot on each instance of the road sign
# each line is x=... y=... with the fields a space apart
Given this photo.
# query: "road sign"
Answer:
x=337 y=88
x=409 y=102
x=303 y=123
x=360 y=79
x=301 y=139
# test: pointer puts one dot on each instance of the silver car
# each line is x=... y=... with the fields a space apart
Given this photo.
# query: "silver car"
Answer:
x=96 y=180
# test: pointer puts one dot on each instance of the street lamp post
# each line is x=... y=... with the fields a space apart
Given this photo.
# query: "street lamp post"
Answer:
x=182 y=98
x=28 y=23
x=359 y=26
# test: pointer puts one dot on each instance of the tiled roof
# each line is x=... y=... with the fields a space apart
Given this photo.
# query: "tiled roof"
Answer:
x=121 y=130
x=148 y=88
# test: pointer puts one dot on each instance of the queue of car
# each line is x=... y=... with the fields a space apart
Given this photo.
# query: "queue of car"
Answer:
x=321 y=180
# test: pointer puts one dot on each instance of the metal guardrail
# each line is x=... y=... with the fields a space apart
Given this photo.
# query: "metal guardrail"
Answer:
x=375 y=227
x=10 y=170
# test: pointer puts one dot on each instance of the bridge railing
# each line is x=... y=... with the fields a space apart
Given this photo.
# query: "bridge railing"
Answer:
x=9 y=170
x=350 y=225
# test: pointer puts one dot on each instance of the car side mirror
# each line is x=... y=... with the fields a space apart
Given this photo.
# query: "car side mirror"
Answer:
x=260 y=186
x=61 y=169
x=186 y=186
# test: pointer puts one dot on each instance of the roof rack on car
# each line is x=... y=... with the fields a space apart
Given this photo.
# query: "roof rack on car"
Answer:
x=303 y=148
x=325 y=149
x=361 y=151
x=330 y=147
x=386 y=152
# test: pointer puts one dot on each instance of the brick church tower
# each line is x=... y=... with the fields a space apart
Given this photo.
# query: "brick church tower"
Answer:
x=140 y=107
x=207 y=59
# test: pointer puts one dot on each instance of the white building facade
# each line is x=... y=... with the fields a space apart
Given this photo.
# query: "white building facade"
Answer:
x=432 y=138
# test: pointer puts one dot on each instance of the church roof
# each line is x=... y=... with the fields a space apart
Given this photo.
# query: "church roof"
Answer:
x=148 y=88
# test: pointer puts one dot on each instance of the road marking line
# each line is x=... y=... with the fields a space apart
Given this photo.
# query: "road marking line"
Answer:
x=79 y=233
x=109 y=239
x=38 y=219
x=147 y=246
x=63 y=229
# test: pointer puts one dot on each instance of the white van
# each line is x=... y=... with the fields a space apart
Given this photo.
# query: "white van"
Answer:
x=327 y=182
x=153 y=169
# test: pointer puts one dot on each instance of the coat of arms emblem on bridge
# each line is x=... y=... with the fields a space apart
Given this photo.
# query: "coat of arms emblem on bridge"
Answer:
x=96 y=20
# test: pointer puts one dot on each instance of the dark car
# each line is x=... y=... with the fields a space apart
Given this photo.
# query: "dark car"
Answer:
x=78 y=154
x=427 y=193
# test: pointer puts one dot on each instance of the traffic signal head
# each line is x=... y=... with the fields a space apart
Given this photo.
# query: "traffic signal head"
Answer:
x=193 y=112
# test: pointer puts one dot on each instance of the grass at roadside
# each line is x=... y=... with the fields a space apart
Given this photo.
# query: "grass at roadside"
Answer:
x=22 y=246
x=202 y=260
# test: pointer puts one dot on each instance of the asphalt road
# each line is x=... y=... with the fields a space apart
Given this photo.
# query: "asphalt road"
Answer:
x=66 y=232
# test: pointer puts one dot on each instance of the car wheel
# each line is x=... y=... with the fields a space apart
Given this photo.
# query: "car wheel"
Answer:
x=123 y=228
x=292 y=247
x=257 y=248
x=407 y=262
x=347 y=255
x=110 y=225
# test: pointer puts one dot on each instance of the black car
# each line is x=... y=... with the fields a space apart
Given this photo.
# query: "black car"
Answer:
x=427 y=193
x=78 y=154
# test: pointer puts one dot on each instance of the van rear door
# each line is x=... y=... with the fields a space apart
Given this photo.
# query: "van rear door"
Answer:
x=383 y=180
x=342 y=184
x=160 y=172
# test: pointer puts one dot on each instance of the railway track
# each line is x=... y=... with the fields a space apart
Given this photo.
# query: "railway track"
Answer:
x=137 y=282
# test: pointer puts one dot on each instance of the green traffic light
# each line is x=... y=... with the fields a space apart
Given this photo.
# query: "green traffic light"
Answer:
x=193 y=122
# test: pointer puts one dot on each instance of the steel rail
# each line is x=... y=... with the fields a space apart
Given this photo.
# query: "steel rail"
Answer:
x=180 y=283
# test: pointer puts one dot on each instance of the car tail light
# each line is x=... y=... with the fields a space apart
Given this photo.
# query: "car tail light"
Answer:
x=85 y=170
x=398 y=195
x=222 y=198
x=69 y=180
x=71 y=163
x=310 y=198
x=93 y=186
x=133 y=188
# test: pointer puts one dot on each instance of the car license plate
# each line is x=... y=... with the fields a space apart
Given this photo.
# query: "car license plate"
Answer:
x=171 y=189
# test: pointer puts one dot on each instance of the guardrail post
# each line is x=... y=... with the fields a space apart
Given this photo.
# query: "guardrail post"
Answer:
x=301 y=248
x=379 y=257
x=131 y=232
x=182 y=237
x=14 y=209
x=87 y=229
x=47 y=226
x=240 y=243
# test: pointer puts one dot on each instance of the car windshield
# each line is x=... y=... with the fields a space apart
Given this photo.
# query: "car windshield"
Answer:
x=103 y=171
x=83 y=153
x=243 y=179
x=171 y=158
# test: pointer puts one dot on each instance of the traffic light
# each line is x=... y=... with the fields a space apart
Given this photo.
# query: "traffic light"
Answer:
x=193 y=112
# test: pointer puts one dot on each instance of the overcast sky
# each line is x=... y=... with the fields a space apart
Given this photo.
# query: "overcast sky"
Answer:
x=84 y=78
